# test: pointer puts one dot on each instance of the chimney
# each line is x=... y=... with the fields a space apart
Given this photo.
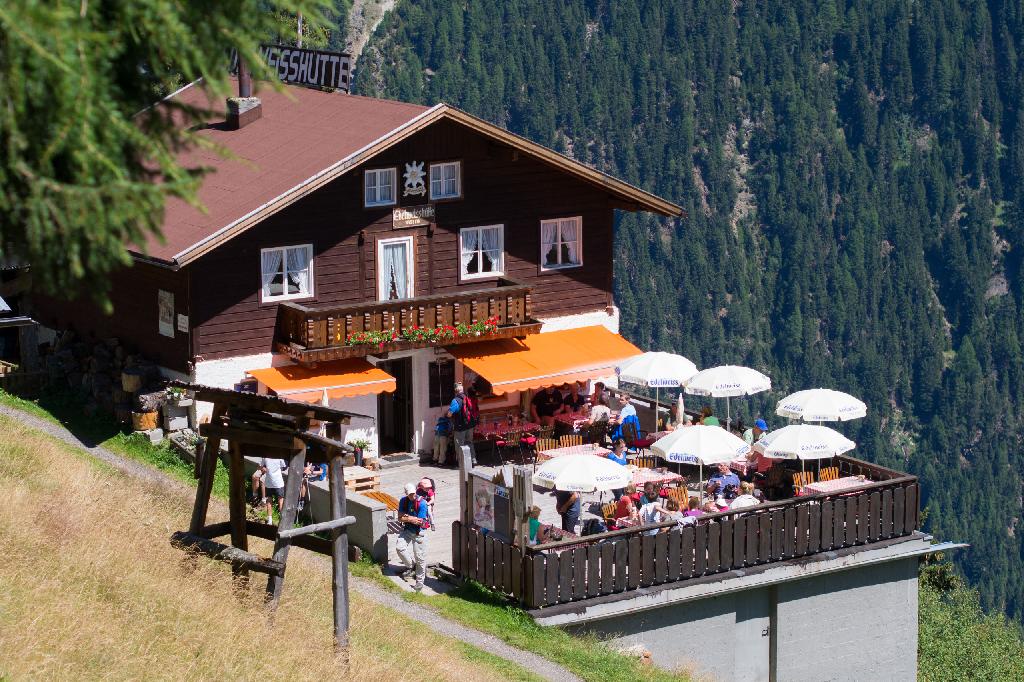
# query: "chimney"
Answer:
x=245 y=108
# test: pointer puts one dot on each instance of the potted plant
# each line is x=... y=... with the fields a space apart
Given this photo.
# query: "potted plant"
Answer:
x=177 y=396
x=361 y=446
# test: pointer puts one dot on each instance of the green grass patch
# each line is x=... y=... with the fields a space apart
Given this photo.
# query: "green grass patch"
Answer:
x=507 y=669
x=62 y=407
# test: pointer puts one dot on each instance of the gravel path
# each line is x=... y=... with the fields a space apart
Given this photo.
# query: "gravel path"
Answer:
x=435 y=621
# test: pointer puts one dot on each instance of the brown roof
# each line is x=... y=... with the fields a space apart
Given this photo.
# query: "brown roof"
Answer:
x=302 y=133
x=306 y=138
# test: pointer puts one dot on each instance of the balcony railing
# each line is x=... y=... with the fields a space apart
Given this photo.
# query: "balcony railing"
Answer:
x=885 y=507
x=309 y=334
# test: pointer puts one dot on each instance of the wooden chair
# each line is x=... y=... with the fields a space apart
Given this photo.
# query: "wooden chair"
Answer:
x=545 y=432
x=644 y=462
x=597 y=433
x=506 y=442
x=543 y=444
x=802 y=478
x=569 y=440
x=633 y=439
x=680 y=495
x=829 y=474
x=608 y=511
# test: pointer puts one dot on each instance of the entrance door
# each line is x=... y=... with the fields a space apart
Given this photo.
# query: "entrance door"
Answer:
x=394 y=410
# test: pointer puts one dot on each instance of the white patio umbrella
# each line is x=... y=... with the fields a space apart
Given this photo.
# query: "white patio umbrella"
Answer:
x=700 y=445
x=803 y=442
x=727 y=381
x=582 y=474
x=821 y=405
x=657 y=370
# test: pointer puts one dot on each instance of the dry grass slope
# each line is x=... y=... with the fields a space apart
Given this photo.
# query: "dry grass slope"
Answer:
x=91 y=589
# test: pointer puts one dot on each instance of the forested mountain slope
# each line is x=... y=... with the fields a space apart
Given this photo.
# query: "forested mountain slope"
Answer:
x=854 y=176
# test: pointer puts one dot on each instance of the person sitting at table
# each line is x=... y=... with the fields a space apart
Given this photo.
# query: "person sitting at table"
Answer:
x=758 y=466
x=600 y=412
x=746 y=497
x=651 y=511
x=624 y=506
x=693 y=507
x=674 y=513
x=627 y=412
x=672 y=420
x=754 y=433
x=545 y=405
x=567 y=504
x=618 y=455
x=709 y=507
x=598 y=394
x=534 y=525
x=708 y=418
x=724 y=484
x=573 y=401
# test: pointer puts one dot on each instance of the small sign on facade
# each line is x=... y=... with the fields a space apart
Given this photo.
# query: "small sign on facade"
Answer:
x=165 y=312
x=183 y=323
x=412 y=216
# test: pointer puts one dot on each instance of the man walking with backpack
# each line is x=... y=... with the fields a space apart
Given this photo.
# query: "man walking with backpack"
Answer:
x=412 y=541
x=465 y=416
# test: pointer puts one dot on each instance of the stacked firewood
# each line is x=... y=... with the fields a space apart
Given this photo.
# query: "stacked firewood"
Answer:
x=112 y=380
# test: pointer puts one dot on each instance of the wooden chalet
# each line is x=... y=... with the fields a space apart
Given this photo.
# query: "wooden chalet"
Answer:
x=340 y=218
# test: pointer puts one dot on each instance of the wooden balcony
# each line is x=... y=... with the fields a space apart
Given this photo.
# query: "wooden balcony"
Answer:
x=310 y=335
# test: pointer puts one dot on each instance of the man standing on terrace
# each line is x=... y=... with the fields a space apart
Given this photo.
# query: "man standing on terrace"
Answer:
x=465 y=415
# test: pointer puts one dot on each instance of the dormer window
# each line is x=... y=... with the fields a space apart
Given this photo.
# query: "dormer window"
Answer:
x=561 y=243
x=379 y=187
x=446 y=180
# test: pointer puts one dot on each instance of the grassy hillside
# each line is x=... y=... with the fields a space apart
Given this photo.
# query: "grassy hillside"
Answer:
x=92 y=589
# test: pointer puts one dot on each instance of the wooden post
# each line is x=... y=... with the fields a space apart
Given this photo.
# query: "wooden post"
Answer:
x=339 y=547
x=522 y=501
x=208 y=469
x=236 y=509
x=462 y=452
x=291 y=502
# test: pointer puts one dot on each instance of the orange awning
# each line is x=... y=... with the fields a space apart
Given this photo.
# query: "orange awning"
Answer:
x=340 y=378
x=544 y=359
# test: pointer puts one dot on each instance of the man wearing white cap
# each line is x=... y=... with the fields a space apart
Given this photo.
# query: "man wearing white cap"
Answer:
x=412 y=541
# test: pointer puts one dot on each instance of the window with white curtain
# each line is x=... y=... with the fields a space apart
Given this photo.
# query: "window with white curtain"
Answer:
x=379 y=187
x=446 y=180
x=395 y=269
x=482 y=251
x=287 y=272
x=561 y=243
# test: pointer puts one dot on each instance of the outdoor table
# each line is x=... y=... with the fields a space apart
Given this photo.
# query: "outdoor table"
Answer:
x=574 y=420
x=585 y=449
x=739 y=465
x=486 y=430
x=644 y=476
x=834 y=486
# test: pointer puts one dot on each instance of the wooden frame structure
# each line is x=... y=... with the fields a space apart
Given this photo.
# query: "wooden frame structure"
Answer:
x=268 y=426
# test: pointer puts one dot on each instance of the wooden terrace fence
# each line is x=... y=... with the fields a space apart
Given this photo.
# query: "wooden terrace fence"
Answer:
x=619 y=561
